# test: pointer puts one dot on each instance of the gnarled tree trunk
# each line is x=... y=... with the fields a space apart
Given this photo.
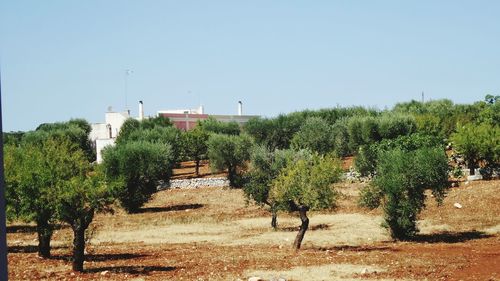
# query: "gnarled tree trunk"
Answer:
x=79 y=225
x=303 y=227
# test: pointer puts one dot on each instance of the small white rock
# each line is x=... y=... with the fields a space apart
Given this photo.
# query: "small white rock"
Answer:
x=457 y=205
x=255 y=278
x=105 y=272
x=364 y=271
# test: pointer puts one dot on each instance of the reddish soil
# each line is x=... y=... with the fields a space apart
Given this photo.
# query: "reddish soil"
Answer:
x=460 y=249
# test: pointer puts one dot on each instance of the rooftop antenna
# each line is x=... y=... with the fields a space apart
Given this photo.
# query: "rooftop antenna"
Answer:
x=127 y=74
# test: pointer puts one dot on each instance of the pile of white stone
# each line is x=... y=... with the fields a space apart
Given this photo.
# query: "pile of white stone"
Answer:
x=194 y=183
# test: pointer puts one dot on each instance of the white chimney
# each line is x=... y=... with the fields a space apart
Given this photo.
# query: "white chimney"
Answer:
x=240 y=108
x=141 y=110
x=200 y=109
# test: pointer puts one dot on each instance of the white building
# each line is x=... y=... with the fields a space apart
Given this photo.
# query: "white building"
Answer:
x=104 y=134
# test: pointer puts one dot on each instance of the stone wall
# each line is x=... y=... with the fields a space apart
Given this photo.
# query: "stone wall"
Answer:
x=195 y=183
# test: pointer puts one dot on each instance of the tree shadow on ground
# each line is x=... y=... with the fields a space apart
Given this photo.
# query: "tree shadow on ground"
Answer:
x=450 y=237
x=28 y=248
x=131 y=269
x=101 y=257
x=361 y=248
x=169 y=208
x=312 y=228
x=25 y=228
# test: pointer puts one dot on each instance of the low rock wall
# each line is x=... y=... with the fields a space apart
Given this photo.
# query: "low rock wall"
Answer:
x=195 y=183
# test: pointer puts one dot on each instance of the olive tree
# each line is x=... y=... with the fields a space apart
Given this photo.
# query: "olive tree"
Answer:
x=367 y=158
x=76 y=131
x=340 y=138
x=476 y=143
x=306 y=184
x=34 y=174
x=391 y=126
x=400 y=183
x=194 y=146
x=78 y=200
x=213 y=125
x=130 y=125
x=141 y=164
x=316 y=135
x=229 y=152
x=265 y=166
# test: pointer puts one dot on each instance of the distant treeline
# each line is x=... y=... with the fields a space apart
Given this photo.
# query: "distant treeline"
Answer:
x=352 y=127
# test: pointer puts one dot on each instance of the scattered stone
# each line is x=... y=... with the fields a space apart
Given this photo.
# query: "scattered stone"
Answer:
x=104 y=272
x=364 y=271
x=457 y=205
x=454 y=184
x=255 y=278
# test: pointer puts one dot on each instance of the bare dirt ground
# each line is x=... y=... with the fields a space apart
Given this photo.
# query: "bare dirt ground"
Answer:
x=214 y=234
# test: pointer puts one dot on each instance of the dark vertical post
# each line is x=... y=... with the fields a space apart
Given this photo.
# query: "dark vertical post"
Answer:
x=3 y=226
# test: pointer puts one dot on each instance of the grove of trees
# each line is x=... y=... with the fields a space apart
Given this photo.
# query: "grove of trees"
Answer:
x=286 y=163
x=50 y=179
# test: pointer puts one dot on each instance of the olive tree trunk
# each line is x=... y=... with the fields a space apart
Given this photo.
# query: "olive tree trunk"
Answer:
x=79 y=225
x=231 y=171
x=303 y=227
x=44 y=231
x=78 y=247
x=472 y=170
x=274 y=220
x=197 y=168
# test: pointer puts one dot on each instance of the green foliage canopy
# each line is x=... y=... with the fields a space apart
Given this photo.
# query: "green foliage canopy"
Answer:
x=401 y=180
x=141 y=165
x=229 y=152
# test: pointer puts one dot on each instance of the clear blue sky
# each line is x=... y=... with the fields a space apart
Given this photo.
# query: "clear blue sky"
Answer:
x=64 y=59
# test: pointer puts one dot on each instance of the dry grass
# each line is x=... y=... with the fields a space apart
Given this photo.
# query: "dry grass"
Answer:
x=214 y=234
x=480 y=210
